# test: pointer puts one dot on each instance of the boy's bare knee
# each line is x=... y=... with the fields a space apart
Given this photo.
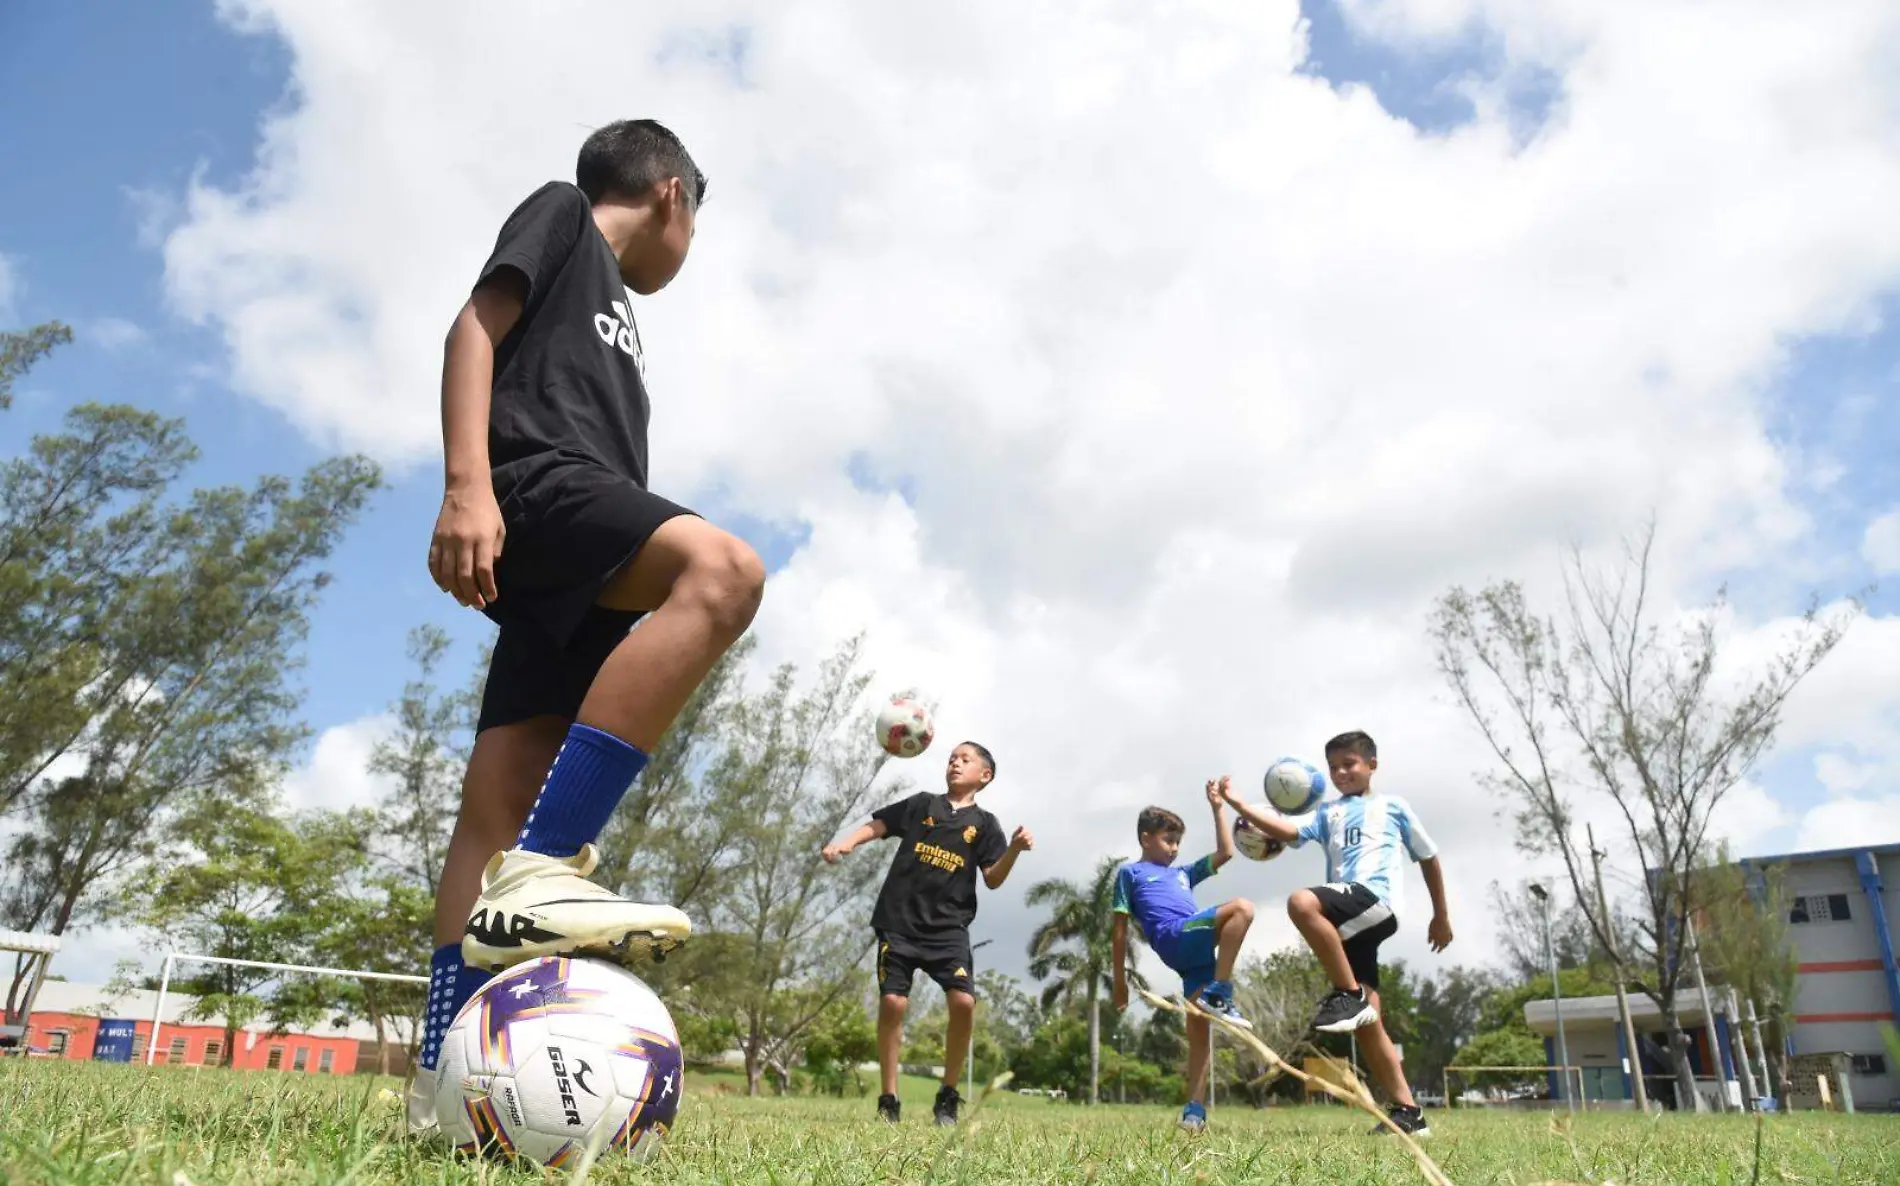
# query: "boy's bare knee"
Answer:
x=1243 y=909
x=961 y=1002
x=892 y=1003
x=1302 y=903
x=726 y=579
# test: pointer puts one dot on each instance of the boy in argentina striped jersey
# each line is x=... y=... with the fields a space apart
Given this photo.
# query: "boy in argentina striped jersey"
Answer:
x=1368 y=839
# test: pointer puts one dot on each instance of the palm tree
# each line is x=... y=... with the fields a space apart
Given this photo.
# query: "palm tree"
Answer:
x=1074 y=950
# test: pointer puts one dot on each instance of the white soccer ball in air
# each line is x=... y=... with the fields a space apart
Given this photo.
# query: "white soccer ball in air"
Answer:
x=1254 y=844
x=904 y=728
x=1294 y=786
x=555 y=1053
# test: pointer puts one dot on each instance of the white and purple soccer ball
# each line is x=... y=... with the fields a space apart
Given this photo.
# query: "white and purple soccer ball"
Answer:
x=552 y=1054
x=1293 y=786
x=1254 y=844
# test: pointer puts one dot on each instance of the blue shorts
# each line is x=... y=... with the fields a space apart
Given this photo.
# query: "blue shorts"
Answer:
x=1188 y=946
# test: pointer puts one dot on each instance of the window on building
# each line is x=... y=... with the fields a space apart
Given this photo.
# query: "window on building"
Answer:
x=214 y=1052
x=176 y=1054
x=138 y=1045
x=1870 y=1064
x=275 y=1059
x=300 y=1059
x=326 y=1061
x=1820 y=908
x=56 y=1042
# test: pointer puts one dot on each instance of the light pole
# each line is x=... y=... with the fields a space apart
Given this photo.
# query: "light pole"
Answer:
x=970 y=1061
x=1556 y=997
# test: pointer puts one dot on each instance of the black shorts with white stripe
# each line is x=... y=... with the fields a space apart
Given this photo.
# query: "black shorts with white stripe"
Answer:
x=1363 y=922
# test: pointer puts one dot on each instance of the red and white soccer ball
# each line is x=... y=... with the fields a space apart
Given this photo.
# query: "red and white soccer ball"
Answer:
x=557 y=1052
x=904 y=728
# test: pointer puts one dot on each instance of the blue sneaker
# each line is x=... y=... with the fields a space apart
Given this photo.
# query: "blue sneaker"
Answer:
x=1193 y=1118
x=1218 y=998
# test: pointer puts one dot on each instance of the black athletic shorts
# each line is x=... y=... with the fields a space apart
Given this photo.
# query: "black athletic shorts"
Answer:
x=570 y=528
x=946 y=960
x=1363 y=922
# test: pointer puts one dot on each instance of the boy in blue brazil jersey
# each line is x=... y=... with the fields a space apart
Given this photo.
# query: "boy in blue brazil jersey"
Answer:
x=1368 y=839
x=1201 y=945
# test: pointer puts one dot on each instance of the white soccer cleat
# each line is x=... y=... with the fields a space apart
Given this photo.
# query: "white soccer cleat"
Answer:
x=534 y=905
x=421 y=1105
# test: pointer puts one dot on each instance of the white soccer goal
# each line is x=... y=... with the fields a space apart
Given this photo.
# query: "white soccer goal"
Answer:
x=1570 y=1075
x=34 y=953
x=173 y=959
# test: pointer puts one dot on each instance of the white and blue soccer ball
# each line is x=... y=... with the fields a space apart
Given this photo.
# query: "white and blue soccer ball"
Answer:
x=554 y=1054
x=1293 y=786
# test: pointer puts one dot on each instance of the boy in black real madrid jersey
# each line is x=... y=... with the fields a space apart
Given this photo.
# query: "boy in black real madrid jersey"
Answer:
x=548 y=528
x=923 y=913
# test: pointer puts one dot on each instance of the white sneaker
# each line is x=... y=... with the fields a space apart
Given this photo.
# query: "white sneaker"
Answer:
x=421 y=1103
x=534 y=905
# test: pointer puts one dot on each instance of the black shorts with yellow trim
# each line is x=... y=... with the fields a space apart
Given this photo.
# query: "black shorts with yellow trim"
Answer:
x=944 y=959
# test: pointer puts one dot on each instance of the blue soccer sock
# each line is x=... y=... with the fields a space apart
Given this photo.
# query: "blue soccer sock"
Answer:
x=451 y=984
x=589 y=775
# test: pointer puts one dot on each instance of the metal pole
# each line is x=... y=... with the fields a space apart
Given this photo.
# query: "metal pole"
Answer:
x=1768 y=1084
x=1638 y=1088
x=1557 y=1000
x=1708 y=1018
x=1738 y=1038
x=158 y=1009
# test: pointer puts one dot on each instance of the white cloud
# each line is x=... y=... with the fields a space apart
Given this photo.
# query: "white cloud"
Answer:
x=1881 y=545
x=1206 y=377
x=115 y=333
x=1850 y=823
x=337 y=775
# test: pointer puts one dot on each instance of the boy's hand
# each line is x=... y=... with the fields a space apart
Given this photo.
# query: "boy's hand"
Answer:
x=833 y=852
x=1022 y=841
x=1216 y=796
x=1121 y=995
x=1225 y=789
x=1439 y=932
x=466 y=544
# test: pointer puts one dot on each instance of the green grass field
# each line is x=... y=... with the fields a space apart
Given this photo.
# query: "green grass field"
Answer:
x=95 y=1124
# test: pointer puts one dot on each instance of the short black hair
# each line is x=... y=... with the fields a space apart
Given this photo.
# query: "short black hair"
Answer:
x=1355 y=742
x=1159 y=821
x=631 y=157
x=983 y=753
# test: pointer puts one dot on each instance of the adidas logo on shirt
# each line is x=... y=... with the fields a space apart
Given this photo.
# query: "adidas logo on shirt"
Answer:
x=618 y=330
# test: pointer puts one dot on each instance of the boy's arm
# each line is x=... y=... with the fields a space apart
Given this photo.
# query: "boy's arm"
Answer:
x=998 y=873
x=1119 y=943
x=1439 y=932
x=468 y=531
x=875 y=830
x=1271 y=822
x=1223 y=827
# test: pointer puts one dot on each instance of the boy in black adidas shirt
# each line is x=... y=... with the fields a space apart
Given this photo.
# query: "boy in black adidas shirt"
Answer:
x=548 y=528
x=923 y=913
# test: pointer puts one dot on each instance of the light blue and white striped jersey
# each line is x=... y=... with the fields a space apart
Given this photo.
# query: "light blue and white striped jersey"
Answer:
x=1367 y=839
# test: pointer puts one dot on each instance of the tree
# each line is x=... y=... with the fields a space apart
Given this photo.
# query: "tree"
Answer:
x=843 y=1039
x=1502 y=1048
x=1520 y=919
x=1449 y=1013
x=1743 y=930
x=1074 y=950
x=20 y=349
x=176 y=666
x=424 y=759
x=246 y=891
x=1606 y=715
x=738 y=848
x=1278 y=993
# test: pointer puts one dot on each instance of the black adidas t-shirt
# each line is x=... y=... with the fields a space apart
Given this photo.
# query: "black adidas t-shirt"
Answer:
x=569 y=377
x=930 y=891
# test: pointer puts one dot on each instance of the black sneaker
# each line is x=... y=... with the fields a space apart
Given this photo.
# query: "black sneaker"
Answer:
x=946 y=1108
x=889 y=1109
x=1344 y=1012
x=1410 y=1121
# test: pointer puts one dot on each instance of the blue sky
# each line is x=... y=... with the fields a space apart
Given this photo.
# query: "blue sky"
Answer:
x=125 y=113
